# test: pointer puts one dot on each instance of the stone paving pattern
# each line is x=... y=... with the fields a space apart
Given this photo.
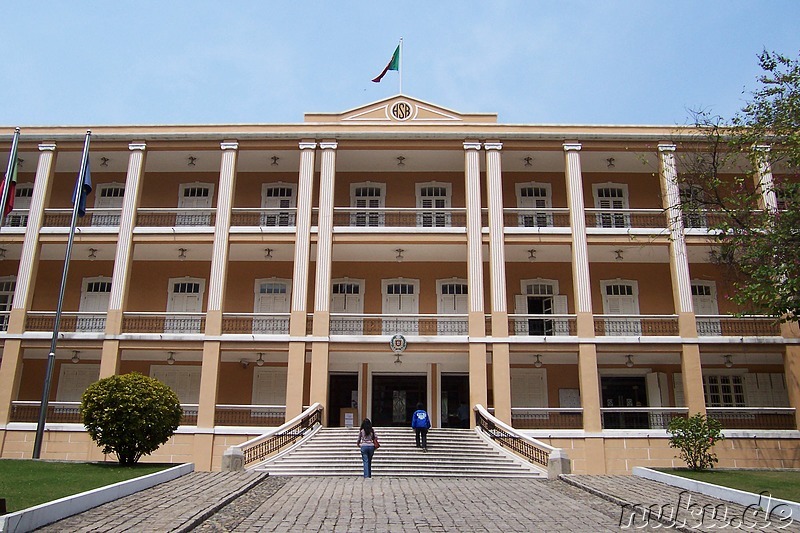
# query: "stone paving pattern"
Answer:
x=249 y=502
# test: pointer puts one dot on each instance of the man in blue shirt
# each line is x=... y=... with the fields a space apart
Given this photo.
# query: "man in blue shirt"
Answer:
x=421 y=422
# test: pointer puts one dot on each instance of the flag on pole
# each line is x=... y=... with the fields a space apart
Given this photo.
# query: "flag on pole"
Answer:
x=84 y=191
x=394 y=64
x=12 y=187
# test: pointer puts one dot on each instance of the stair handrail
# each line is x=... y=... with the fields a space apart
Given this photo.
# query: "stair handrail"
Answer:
x=259 y=448
x=554 y=460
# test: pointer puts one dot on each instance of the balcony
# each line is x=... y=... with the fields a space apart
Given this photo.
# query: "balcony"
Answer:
x=175 y=217
x=75 y=322
x=255 y=323
x=249 y=415
x=546 y=418
x=640 y=417
x=612 y=219
x=95 y=217
x=278 y=218
x=531 y=219
x=636 y=325
x=744 y=326
x=70 y=413
x=426 y=325
x=754 y=417
x=163 y=323
x=542 y=325
x=398 y=217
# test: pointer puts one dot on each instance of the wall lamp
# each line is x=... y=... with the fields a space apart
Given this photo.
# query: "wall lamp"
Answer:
x=171 y=358
x=728 y=361
x=538 y=362
x=75 y=357
x=629 y=361
x=399 y=256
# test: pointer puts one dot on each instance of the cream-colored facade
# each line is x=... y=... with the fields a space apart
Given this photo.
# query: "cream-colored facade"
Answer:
x=545 y=272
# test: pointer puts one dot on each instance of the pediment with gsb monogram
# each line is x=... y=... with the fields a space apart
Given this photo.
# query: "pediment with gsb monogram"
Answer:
x=401 y=109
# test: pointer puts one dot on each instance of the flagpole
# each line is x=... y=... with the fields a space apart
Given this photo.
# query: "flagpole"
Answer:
x=51 y=357
x=12 y=161
x=400 y=66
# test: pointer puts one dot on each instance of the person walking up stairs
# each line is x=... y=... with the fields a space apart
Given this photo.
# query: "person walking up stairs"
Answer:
x=421 y=422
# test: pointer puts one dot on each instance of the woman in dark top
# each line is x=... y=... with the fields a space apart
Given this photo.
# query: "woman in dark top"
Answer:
x=368 y=442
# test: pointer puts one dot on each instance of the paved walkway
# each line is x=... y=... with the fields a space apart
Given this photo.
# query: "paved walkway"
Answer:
x=247 y=502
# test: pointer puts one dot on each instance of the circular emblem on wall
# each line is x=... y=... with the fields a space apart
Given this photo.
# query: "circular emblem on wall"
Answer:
x=398 y=344
x=401 y=110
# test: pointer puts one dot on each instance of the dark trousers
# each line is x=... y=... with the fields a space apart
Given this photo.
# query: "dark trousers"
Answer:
x=421 y=434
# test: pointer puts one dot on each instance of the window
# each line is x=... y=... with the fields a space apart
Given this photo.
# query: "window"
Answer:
x=7 y=286
x=193 y=198
x=279 y=202
x=347 y=299
x=452 y=300
x=621 y=297
x=366 y=196
x=612 y=199
x=186 y=297
x=540 y=297
x=724 y=391
x=400 y=297
x=531 y=196
x=430 y=198
x=691 y=206
x=183 y=379
x=95 y=294
x=704 y=301
x=272 y=298
x=109 y=198
x=74 y=379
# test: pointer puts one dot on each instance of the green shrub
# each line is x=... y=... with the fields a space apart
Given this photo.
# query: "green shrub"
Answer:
x=694 y=437
x=130 y=415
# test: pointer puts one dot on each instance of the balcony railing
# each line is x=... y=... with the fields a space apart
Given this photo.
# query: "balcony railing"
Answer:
x=163 y=322
x=754 y=417
x=746 y=326
x=535 y=218
x=17 y=218
x=285 y=217
x=626 y=218
x=175 y=217
x=70 y=412
x=546 y=325
x=250 y=415
x=640 y=417
x=256 y=323
x=399 y=217
x=70 y=322
x=636 y=325
x=546 y=418
x=344 y=324
x=95 y=217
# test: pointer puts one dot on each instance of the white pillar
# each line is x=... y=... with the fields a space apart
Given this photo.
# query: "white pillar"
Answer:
x=222 y=226
x=474 y=248
x=302 y=246
x=580 y=250
x=325 y=227
x=497 y=254
x=764 y=180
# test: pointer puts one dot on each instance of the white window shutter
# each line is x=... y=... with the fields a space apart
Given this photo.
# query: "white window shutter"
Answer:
x=677 y=383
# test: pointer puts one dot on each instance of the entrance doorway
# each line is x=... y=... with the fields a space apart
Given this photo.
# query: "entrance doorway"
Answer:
x=619 y=393
x=343 y=395
x=395 y=398
x=455 y=401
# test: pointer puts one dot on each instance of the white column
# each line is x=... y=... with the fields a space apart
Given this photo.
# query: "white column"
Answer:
x=325 y=227
x=764 y=180
x=672 y=199
x=497 y=254
x=130 y=202
x=474 y=251
x=219 y=259
x=580 y=250
x=303 y=232
x=30 y=247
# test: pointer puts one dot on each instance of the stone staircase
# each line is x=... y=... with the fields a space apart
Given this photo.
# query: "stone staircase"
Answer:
x=451 y=453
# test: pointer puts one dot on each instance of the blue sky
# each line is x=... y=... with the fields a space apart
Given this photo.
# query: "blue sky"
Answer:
x=567 y=62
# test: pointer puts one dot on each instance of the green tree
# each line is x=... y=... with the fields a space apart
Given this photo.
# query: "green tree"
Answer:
x=758 y=245
x=130 y=415
x=694 y=437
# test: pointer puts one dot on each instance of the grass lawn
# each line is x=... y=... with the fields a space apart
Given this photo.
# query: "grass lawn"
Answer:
x=25 y=483
x=784 y=485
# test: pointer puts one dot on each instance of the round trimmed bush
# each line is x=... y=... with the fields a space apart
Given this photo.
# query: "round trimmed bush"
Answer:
x=130 y=415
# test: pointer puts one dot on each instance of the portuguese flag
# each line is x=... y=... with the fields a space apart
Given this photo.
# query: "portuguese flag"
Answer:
x=394 y=64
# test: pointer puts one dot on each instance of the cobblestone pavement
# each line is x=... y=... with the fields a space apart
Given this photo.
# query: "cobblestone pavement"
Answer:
x=249 y=502
x=415 y=504
x=176 y=505
x=680 y=509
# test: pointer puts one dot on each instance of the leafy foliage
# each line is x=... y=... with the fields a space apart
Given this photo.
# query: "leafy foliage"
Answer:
x=759 y=244
x=130 y=415
x=694 y=437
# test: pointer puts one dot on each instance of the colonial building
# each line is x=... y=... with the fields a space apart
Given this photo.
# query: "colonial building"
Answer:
x=544 y=272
